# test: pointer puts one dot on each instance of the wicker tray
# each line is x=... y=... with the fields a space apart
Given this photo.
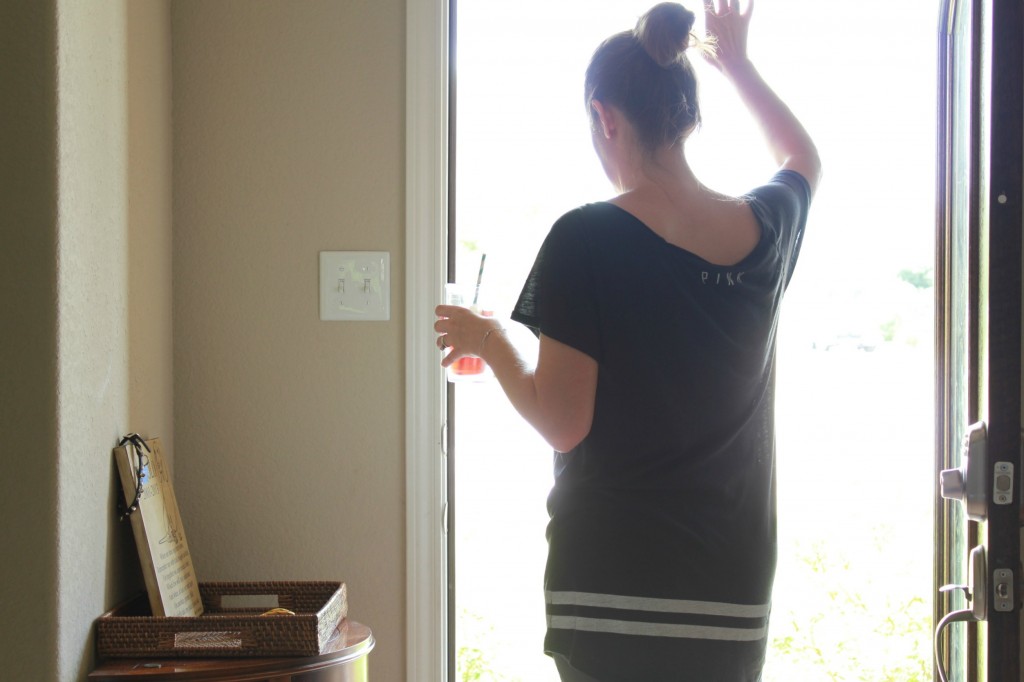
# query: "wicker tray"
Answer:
x=226 y=628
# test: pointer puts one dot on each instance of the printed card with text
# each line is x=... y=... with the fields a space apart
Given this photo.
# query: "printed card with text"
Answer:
x=163 y=551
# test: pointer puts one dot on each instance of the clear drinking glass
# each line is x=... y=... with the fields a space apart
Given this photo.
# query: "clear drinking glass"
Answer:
x=466 y=368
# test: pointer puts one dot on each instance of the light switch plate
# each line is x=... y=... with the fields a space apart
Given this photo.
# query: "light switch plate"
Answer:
x=355 y=285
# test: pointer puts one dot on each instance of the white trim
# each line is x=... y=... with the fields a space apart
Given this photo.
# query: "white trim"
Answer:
x=426 y=251
x=658 y=605
x=679 y=631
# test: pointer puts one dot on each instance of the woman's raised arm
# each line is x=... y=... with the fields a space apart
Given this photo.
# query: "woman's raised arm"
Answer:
x=786 y=137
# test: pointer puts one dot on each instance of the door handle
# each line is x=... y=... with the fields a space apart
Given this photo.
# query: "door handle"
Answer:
x=976 y=589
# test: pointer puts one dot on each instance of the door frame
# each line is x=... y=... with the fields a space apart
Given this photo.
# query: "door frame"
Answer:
x=1001 y=289
x=950 y=561
x=992 y=386
x=427 y=187
x=992 y=382
x=426 y=192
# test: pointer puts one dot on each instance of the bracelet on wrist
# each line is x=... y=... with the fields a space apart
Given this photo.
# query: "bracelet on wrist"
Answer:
x=484 y=339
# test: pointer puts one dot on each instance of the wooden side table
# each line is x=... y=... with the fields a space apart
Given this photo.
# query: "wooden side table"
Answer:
x=345 y=660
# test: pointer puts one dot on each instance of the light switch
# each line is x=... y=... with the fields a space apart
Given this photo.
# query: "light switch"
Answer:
x=355 y=285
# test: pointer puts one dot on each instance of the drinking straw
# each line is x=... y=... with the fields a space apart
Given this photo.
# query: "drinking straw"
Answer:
x=479 y=277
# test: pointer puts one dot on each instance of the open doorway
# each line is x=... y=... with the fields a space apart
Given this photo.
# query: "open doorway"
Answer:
x=855 y=395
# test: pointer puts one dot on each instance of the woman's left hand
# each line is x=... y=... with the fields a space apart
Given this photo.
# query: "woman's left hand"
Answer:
x=555 y=394
x=461 y=330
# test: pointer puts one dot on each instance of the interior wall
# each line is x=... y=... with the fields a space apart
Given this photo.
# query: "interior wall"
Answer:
x=288 y=125
x=92 y=317
x=28 y=344
x=72 y=386
x=114 y=292
x=151 y=381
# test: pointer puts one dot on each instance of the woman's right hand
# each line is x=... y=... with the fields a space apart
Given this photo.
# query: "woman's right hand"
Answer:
x=728 y=26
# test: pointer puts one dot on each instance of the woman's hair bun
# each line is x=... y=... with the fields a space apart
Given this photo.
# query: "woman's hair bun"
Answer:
x=664 y=32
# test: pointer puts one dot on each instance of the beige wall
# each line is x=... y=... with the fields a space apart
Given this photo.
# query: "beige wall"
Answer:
x=150 y=334
x=289 y=432
x=286 y=433
x=86 y=263
x=28 y=343
x=92 y=293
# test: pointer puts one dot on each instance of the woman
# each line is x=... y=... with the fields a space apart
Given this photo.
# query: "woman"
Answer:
x=654 y=380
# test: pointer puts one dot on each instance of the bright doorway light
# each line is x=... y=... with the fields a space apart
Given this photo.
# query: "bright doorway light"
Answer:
x=855 y=397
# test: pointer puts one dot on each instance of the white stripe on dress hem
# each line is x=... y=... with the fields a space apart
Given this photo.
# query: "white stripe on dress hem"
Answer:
x=625 y=627
x=615 y=601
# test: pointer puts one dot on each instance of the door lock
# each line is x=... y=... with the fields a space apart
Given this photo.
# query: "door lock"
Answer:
x=968 y=483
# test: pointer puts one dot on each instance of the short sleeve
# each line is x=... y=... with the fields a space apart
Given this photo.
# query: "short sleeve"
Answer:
x=797 y=183
x=782 y=206
x=559 y=298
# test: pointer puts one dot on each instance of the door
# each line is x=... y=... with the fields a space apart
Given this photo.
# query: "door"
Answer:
x=978 y=280
x=979 y=339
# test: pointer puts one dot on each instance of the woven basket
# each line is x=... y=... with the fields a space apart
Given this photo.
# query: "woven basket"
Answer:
x=129 y=631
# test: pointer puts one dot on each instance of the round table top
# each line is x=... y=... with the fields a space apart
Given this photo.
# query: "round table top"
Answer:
x=350 y=641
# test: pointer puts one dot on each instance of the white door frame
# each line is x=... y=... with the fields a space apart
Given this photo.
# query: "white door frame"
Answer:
x=426 y=192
